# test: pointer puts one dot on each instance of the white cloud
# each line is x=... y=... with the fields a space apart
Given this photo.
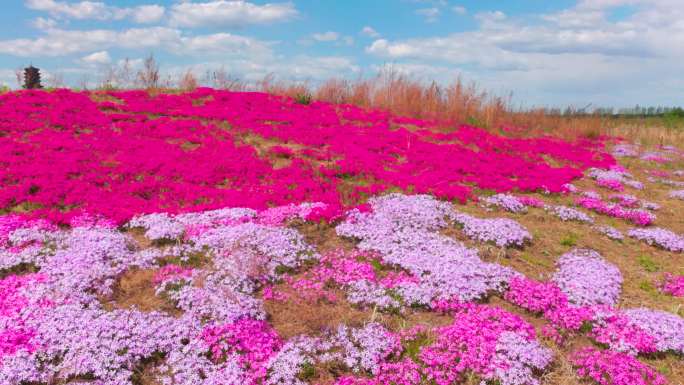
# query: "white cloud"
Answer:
x=97 y=10
x=429 y=14
x=58 y=42
x=229 y=13
x=305 y=68
x=44 y=23
x=97 y=58
x=7 y=77
x=224 y=45
x=459 y=10
x=434 y=3
x=148 y=13
x=577 y=54
x=370 y=32
x=80 y=10
x=490 y=18
x=316 y=68
x=132 y=63
x=326 y=36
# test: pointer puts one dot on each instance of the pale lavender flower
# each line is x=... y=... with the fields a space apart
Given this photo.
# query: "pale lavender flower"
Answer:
x=404 y=231
x=503 y=232
x=650 y=205
x=158 y=226
x=366 y=293
x=517 y=358
x=625 y=150
x=566 y=213
x=635 y=184
x=610 y=232
x=678 y=194
x=505 y=201
x=587 y=279
x=591 y=194
x=660 y=237
x=667 y=328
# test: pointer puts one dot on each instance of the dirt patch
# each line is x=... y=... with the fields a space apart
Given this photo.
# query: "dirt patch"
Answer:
x=323 y=236
x=294 y=317
x=138 y=235
x=136 y=290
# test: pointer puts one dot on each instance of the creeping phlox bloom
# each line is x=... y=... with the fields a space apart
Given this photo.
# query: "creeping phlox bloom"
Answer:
x=355 y=273
x=507 y=202
x=655 y=156
x=570 y=309
x=216 y=268
x=123 y=153
x=488 y=341
x=610 y=232
x=625 y=150
x=588 y=279
x=55 y=326
x=614 y=368
x=614 y=178
x=502 y=232
x=531 y=201
x=663 y=238
x=679 y=194
x=666 y=328
x=636 y=216
x=566 y=213
x=404 y=231
x=672 y=285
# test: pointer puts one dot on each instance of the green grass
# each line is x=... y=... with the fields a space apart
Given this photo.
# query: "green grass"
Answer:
x=569 y=240
x=648 y=287
x=648 y=264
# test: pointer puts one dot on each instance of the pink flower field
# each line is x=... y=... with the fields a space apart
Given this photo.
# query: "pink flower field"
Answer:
x=232 y=238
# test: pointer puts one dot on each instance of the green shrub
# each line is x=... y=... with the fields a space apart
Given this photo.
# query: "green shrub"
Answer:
x=674 y=118
x=304 y=98
x=473 y=121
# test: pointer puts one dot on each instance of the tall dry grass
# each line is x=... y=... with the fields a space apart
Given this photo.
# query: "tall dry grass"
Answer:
x=648 y=132
x=458 y=102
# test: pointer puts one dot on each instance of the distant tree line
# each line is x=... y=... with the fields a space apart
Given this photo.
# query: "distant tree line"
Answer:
x=636 y=111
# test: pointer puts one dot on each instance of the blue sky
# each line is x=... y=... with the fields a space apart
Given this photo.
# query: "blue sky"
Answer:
x=546 y=53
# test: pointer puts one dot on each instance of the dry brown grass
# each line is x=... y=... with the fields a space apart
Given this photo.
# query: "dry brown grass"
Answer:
x=647 y=133
x=297 y=316
x=458 y=102
x=135 y=290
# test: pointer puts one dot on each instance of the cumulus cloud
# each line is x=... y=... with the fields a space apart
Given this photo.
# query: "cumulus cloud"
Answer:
x=97 y=10
x=348 y=40
x=97 y=58
x=44 y=23
x=7 y=77
x=326 y=36
x=578 y=52
x=317 y=68
x=429 y=14
x=370 y=32
x=148 y=13
x=57 y=42
x=459 y=10
x=229 y=13
x=304 y=68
